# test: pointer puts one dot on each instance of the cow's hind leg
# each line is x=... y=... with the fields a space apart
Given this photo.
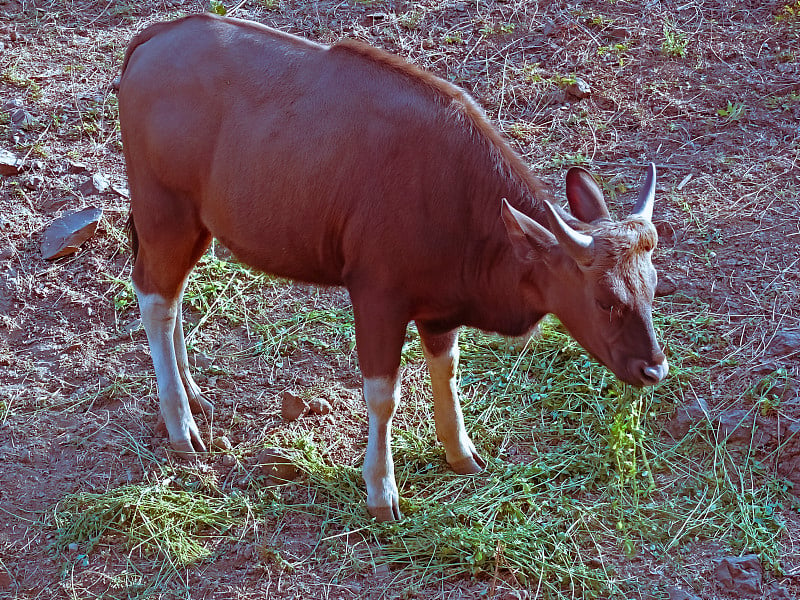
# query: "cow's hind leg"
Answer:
x=168 y=249
x=197 y=403
x=441 y=355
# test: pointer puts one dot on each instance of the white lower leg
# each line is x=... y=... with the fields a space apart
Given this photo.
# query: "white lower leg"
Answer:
x=459 y=449
x=159 y=317
x=383 y=396
x=196 y=401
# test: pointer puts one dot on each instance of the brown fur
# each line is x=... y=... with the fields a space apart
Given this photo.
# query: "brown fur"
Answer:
x=348 y=166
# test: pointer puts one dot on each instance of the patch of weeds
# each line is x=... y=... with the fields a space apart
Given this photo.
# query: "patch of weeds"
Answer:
x=732 y=111
x=598 y=21
x=786 y=102
x=618 y=52
x=326 y=330
x=217 y=7
x=489 y=29
x=675 y=41
x=559 y=161
x=217 y=288
x=521 y=130
x=5 y=411
x=770 y=390
x=13 y=77
x=411 y=19
x=454 y=37
x=789 y=14
x=612 y=189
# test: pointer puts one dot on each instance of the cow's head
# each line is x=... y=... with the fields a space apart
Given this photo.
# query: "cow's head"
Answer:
x=600 y=278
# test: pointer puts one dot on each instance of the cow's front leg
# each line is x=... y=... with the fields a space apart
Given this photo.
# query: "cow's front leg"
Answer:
x=383 y=396
x=441 y=355
x=159 y=315
x=380 y=332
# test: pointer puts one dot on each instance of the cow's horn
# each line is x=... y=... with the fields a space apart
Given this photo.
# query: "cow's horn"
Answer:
x=578 y=245
x=644 y=205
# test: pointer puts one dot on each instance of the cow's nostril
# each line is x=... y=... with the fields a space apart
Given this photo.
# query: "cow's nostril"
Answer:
x=652 y=374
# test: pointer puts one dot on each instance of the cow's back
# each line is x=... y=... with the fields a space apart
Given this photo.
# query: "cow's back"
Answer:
x=307 y=161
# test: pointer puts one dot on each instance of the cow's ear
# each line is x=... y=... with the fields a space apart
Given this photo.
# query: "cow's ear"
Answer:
x=527 y=237
x=584 y=196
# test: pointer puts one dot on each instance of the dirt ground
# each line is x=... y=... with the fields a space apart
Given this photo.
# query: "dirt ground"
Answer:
x=718 y=110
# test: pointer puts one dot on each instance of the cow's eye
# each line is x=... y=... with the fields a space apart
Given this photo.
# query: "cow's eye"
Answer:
x=605 y=306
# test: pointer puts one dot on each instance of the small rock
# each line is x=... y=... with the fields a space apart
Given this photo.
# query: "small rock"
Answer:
x=665 y=230
x=73 y=547
x=320 y=406
x=779 y=592
x=76 y=168
x=134 y=325
x=66 y=234
x=785 y=343
x=96 y=184
x=121 y=191
x=618 y=33
x=277 y=464
x=666 y=286
x=578 y=90
x=292 y=406
x=686 y=416
x=735 y=426
x=10 y=163
x=34 y=182
x=21 y=118
x=740 y=575
x=5 y=579
x=202 y=361
x=222 y=443
x=228 y=460
x=676 y=593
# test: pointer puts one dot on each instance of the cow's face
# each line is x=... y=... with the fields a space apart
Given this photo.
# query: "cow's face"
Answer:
x=600 y=280
x=606 y=304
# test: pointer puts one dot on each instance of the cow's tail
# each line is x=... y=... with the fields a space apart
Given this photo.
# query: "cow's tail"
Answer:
x=133 y=237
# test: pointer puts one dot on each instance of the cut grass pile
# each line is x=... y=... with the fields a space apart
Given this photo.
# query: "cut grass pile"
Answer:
x=580 y=480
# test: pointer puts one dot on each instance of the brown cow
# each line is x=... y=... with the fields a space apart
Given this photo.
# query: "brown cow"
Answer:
x=344 y=165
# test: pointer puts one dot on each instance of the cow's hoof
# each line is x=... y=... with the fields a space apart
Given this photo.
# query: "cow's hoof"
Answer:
x=469 y=465
x=199 y=405
x=385 y=513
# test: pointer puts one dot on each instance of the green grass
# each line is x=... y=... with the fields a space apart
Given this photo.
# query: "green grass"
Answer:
x=579 y=477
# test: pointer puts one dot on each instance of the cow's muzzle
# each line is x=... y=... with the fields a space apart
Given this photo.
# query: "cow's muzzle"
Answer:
x=649 y=373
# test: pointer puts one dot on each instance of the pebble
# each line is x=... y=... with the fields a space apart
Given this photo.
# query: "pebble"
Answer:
x=222 y=443
x=578 y=90
x=10 y=163
x=96 y=184
x=292 y=406
x=320 y=406
x=740 y=575
x=277 y=464
x=676 y=593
